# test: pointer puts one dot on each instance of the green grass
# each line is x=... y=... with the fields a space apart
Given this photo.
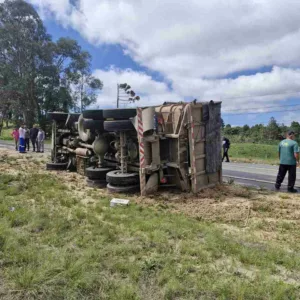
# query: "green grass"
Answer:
x=6 y=134
x=52 y=246
x=257 y=153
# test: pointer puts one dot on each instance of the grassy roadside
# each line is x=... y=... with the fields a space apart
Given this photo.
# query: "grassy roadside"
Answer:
x=61 y=240
x=254 y=153
x=6 y=135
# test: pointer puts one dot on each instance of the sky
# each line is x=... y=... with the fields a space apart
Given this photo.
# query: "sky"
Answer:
x=243 y=53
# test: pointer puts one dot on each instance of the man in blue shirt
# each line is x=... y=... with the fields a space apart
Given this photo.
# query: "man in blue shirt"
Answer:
x=289 y=158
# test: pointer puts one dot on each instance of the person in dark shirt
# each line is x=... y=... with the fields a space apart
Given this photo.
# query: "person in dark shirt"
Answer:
x=33 y=136
x=226 y=146
x=288 y=150
x=27 y=138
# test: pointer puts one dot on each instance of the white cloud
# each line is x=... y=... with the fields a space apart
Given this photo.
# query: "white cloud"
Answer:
x=190 y=38
x=152 y=92
x=193 y=43
x=247 y=91
x=277 y=85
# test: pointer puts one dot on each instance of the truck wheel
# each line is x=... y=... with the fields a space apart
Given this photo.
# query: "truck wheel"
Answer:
x=97 y=183
x=123 y=189
x=119 y=114
x=95 y=114
x=56 y=166
x=119 y=125
x=93 y=125
x=117 y=178
x=96 y=173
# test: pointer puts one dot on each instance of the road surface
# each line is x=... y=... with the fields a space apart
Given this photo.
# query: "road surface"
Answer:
x=257 y=175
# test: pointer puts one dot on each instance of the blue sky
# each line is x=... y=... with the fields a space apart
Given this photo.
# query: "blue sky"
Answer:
x=250 y=61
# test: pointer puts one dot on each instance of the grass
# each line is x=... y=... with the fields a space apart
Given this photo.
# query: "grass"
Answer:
x=60 y=240
x=254 y=153
x=6 y=135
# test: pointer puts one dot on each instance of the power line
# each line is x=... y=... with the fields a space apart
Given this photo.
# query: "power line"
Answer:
x=262 y=112
x=252 y=108
x=265 y=95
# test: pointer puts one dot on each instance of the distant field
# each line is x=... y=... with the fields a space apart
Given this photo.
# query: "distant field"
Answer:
x=257 y=153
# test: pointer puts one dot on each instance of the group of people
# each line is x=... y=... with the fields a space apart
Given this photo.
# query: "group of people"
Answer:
x=23 y=136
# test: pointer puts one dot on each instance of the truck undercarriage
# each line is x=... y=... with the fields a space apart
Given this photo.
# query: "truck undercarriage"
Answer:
x=175 y=145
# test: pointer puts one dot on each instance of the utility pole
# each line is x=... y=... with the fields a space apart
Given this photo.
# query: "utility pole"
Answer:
x=118 y=94
x=127 y=95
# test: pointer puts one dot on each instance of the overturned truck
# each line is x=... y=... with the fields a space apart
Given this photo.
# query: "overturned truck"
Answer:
x=174 y=145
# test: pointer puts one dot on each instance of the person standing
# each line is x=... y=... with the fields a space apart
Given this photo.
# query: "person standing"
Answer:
x=15 y=135
x=226 y=146
x=22 y=139
x=27 y=138
x=289 y=158
x=33 y=136
x=40 y=140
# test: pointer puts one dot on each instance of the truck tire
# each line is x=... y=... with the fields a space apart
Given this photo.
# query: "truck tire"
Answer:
x=97 y=183
x=123 y=189
x=119 y=114
x=117 y=178
x=95 y=114
x=93 y=125
x=56 y=166
x=119 y=125
x=96 y=173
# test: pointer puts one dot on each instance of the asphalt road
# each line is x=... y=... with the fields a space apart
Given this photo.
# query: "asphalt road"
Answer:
x=256 y=175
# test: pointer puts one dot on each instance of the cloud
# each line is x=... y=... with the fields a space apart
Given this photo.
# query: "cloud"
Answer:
x=195 y=45
x=191 y=38
x=151 y=92
x=246 y=91
x=261 y=88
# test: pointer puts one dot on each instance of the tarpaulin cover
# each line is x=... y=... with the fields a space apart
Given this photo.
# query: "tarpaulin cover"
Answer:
x=212 y=118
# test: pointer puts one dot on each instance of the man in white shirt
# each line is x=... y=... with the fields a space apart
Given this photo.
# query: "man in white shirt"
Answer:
x=22 y=133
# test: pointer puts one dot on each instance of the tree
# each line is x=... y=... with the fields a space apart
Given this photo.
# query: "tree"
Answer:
x=246 y=128
x=46 y=76
x=272 y=130
x=23 y=49
x=296 y=127
x=73 y=67
x=223 y=123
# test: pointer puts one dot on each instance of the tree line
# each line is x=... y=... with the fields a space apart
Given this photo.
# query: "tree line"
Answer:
x=38 y=74
x=259 y=133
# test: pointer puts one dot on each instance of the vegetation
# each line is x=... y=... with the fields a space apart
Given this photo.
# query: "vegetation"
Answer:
x=37 y=74
x=254 y=153
x=270 y=134
x=61 y=240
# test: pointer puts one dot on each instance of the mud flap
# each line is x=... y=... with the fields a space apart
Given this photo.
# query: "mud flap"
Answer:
x=152 y=184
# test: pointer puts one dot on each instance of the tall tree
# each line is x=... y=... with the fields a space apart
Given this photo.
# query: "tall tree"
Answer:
x=23 y=53
x=47 y=76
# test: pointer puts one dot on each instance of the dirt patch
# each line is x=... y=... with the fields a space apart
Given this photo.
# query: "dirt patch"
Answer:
x=225 y=203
